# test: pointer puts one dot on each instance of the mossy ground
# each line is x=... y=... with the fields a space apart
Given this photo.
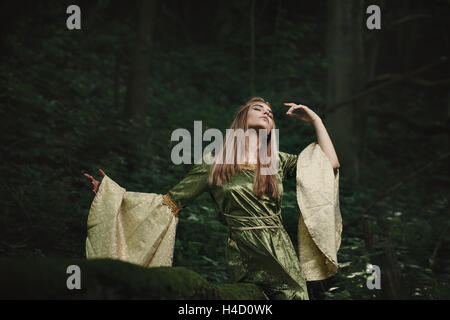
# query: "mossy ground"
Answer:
x=112 y=279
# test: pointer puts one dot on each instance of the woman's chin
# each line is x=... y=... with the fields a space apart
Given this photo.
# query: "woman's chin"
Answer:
x=260 y=125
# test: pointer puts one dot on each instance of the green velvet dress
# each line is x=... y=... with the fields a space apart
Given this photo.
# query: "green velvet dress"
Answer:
x=258 y=248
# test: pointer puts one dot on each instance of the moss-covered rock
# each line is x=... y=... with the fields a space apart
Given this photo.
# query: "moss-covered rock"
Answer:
x=111 y=279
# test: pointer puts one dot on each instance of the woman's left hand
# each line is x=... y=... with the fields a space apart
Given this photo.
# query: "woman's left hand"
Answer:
x=305 y=113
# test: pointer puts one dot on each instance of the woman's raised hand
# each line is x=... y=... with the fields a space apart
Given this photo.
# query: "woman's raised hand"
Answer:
x=95 y=183
x=304 y=113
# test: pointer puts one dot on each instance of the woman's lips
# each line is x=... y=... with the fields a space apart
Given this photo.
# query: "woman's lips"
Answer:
x=265 y=118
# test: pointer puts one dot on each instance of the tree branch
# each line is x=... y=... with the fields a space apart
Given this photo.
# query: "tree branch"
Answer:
x=418 y=81
x=400 y=117
x=384 y=85
x=395 y=187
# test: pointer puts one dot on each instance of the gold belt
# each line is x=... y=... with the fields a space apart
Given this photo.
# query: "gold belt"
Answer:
x=259 y=227
x=251 y=218
x=244 y=217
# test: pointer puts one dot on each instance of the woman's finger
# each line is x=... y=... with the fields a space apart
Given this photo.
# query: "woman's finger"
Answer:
x=90 y=178
x=289 y=112
x=295 y=106
x=300 y=107
x=101 y=172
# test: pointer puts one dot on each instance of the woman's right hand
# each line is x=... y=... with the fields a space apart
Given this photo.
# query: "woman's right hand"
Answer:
x=95 y=183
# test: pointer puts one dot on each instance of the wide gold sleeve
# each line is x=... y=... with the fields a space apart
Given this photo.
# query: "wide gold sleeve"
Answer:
x=134 y=227
x=320 y=221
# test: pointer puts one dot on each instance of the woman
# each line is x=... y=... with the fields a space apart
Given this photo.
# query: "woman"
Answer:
x=258 y=248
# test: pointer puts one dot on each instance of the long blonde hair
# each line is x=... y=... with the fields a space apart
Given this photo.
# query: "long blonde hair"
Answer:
x=222 y=172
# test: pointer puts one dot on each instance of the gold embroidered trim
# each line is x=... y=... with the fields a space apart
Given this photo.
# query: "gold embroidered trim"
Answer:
x=171 y=204
x=248 y=166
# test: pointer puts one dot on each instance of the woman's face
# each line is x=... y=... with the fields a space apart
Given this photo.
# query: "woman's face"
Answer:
x=260 y=116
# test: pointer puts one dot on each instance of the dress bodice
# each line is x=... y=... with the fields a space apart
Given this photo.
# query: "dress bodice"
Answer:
x=236 y=198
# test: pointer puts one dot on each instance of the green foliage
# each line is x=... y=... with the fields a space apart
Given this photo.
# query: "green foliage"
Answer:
x=200 y=242
x=60 y=118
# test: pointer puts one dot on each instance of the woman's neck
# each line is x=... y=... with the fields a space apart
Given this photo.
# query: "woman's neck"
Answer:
x=252 y=155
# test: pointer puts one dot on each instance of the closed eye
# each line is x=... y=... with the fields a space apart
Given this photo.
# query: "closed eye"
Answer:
x=259 y=109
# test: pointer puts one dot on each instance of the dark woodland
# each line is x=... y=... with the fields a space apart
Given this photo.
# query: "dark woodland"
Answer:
x=110 y=94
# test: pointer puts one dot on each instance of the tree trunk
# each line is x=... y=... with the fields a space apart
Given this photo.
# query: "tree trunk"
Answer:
x=252 y=49
x=448 y=121
x=407 y=34
x=136 y=103
x=117 y=81
x=392 y=285
x=275 y=45
x=137 y=89
x=346 y=76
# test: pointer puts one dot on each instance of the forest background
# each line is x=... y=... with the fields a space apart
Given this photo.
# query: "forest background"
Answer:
x=110 y=94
